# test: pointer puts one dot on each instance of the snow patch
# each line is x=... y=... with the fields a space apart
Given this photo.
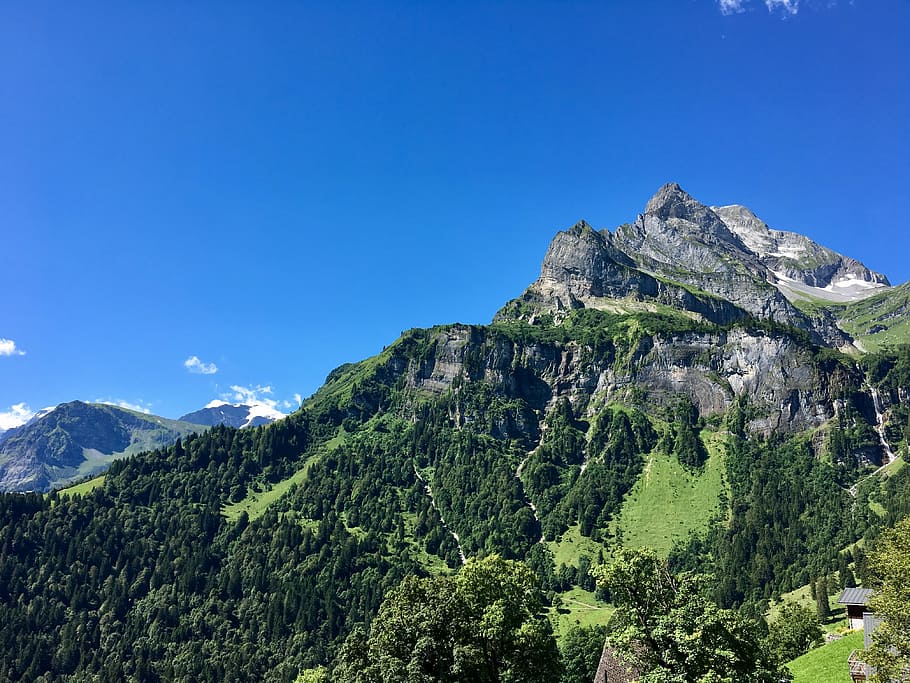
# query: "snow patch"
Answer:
x=262 y=410
x=845 y=289
x=784 y=251
x=854 y=282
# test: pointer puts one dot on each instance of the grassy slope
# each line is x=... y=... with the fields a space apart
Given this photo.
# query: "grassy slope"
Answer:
x=828 y=663
x=84 y=487
x=888 y=310
x=571 y=545
x=256 y=502
x=579 y=608
x=669 y=502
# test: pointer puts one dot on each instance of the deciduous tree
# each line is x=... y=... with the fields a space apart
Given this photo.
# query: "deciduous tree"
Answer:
x=672 y=632
x=890 y=564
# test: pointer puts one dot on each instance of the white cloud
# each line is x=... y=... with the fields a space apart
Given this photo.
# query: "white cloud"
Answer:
x=292 y=403
x=197 y=367
x=252 y=394
x=17 y=415
x=8 y=348
x=138 y=407
x=731 y=6
x=788 y=6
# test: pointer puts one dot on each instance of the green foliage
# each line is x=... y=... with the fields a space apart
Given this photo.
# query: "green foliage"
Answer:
x=822 y=605
x=789 y=515
x=687 y=446
x=256 y=554
x=890 y=563
x=317 y=675
x=485 y=624
x=795 y=631
x=666 y=626
x=581 y=649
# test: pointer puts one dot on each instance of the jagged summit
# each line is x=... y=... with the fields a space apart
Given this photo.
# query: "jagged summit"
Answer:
x=719 y=263
x=669 y=197
x=671 y=201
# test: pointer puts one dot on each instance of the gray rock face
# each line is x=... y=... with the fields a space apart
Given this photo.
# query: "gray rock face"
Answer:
x=721 y=264
x=581 y=265
x=776 y=373
x=681 y=239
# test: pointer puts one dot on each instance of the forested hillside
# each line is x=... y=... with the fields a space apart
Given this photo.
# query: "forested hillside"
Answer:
x=145 y=576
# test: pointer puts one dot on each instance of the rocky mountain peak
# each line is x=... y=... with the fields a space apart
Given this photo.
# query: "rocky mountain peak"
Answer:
x=672 y=202
x=580 y=228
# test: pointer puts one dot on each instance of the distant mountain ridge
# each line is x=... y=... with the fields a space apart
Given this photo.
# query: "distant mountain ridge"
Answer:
x=78 y=439
x=236 y=415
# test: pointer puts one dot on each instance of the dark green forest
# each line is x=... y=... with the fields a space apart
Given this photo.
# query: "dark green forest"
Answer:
x=146 y=578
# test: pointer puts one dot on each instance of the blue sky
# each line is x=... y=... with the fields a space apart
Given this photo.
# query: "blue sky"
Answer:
x=275 y=188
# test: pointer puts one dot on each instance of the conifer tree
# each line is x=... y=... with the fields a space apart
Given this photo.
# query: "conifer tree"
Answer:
x=822 y=607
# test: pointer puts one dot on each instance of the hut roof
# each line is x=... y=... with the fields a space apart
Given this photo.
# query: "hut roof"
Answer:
x=614 y=670
x=855 y=596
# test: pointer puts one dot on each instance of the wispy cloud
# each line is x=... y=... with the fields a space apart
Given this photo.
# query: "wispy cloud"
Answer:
x=292 y=403
x=138 y=406
x=786 y=7
x=17 y=415
x=8 y=348
x=731 y=6
x=197 y=367
x=256 y=394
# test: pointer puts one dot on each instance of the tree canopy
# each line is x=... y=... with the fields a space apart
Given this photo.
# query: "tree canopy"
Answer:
x=485 y=624
x=672 y=632
x=890 y=564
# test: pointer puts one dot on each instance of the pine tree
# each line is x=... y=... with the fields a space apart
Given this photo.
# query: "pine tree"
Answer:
x=823 y=608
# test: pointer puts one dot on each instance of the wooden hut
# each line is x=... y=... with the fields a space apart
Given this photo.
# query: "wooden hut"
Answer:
x=856 y=601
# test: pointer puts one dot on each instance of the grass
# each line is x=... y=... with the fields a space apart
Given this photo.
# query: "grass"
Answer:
x=669 y=502
x=571 y=545
x=434 y=564
x=83 y=488
x=887 y=310
x=256 y=502
x=579 y=608
x=828 y=663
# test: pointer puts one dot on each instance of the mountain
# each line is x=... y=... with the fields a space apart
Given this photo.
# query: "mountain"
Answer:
x=720 y=264
x=234 y=415
x=79 y=439
x=658 y=385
